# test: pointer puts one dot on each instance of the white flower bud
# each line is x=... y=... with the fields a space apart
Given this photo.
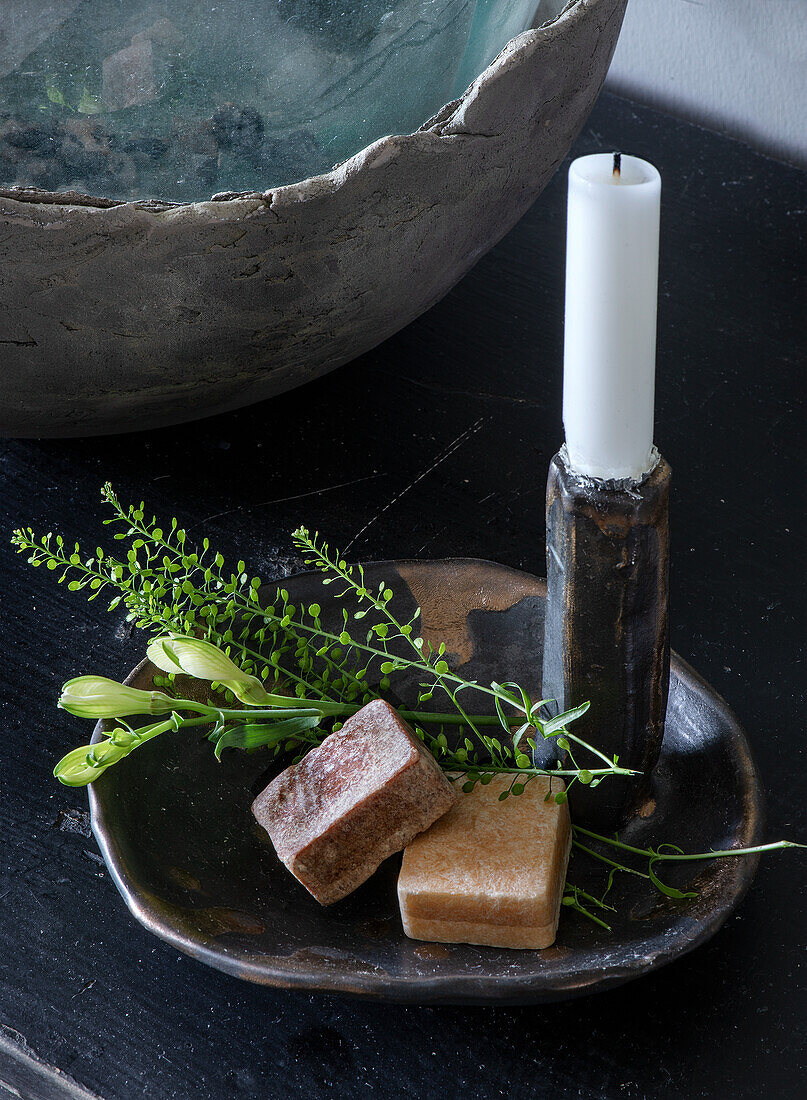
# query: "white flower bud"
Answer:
x=205 y=661
x=100 y=697
x=84 y=764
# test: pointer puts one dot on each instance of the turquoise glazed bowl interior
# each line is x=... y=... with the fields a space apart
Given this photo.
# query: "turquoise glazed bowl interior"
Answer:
x=179 y=99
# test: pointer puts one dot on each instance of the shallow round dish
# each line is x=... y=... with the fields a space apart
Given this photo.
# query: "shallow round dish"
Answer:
x=177 y=834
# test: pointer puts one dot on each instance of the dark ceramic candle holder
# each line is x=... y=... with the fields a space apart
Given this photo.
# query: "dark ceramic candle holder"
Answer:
x=607 y=623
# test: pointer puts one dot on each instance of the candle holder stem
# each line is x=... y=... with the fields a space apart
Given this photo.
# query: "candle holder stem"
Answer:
x=607 y=623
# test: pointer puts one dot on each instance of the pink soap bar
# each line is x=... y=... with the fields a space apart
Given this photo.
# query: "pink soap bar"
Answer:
x=356 y=799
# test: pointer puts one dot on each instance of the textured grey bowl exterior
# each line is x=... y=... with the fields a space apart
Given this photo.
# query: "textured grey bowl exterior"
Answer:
x=120 y=316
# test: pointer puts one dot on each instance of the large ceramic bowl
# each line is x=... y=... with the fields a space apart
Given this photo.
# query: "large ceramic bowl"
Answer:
x=121 y=314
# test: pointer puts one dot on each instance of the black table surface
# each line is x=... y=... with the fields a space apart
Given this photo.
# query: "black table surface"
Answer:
x=437 y=444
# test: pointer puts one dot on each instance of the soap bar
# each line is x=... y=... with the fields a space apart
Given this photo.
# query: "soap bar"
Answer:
x=356 y=799
x=489 y=872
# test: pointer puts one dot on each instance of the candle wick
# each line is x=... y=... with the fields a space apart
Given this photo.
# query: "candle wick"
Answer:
x=617 y=164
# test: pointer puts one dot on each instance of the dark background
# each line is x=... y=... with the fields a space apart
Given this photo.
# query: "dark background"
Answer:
x=437 y=444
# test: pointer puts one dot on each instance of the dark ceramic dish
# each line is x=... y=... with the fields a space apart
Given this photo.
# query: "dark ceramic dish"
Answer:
x=177 y=835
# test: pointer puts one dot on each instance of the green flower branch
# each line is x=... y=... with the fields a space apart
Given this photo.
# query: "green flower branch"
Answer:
x=166 y=586
x=288 y=724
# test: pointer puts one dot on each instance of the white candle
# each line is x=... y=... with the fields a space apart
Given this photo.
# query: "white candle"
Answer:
x=610 y=334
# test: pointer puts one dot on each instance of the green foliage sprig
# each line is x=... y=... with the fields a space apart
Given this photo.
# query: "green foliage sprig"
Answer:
x=488 y=755
x=168 y=587
x=576 y=898
x=87 y=104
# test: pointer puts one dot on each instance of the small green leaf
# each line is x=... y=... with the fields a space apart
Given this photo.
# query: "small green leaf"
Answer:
x=53 y=93
x=564 y=719
x=252 y=735
x=668 y=891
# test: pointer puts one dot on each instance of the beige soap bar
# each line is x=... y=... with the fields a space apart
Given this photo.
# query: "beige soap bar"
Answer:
x=489 y=872
x=356 y=799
